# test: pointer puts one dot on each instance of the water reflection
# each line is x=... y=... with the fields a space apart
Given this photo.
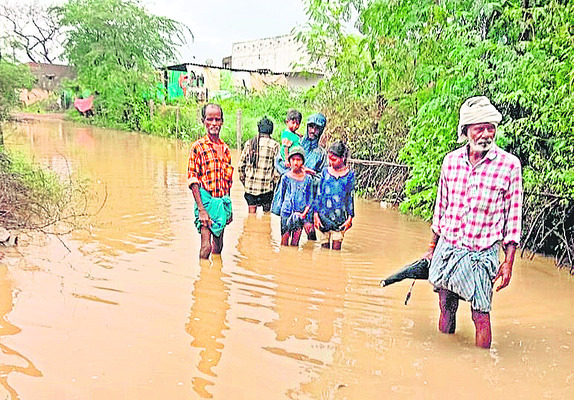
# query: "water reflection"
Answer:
x=265 y=322
x=307 y=282
x=207 y=322
x=308 y=296
x=304 y=290
x=12 y=361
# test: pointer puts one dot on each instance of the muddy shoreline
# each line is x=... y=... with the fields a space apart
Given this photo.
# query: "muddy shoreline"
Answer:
x=27 y=116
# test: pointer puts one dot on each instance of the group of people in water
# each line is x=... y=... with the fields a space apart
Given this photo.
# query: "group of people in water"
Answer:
x=478 y=207
x=311 y=189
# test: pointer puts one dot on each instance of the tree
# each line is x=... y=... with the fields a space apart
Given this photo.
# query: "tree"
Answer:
x=31 y=29
x=116 y=46
x=428 y=56
x=12 y=77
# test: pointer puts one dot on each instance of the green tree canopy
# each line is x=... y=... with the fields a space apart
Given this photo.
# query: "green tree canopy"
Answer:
x=12 y=77
x=427 y=57
x=116 y=46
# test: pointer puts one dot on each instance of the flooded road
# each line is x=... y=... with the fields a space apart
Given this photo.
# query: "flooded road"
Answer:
x=129 y=312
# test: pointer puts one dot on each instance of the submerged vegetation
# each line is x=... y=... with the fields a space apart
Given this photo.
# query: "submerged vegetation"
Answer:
x=34 y=199
x=31 y=198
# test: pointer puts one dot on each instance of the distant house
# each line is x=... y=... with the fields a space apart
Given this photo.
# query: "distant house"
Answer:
x=49 y=79
x=280 y=55
x=49 y=76
x=203 y=81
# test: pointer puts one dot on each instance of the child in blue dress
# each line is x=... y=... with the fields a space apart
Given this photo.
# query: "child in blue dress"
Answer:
x=293 y=198
x=334 y=205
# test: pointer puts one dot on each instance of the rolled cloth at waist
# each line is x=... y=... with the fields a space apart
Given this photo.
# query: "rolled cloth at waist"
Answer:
x=219 y=210
x=469 y=274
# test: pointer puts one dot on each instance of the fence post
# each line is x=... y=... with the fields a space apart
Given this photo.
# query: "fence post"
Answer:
x=177 y=122
x=238 y=129
x=151 y=107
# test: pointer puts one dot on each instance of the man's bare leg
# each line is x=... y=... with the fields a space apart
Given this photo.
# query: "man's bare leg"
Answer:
x=217 y=245
x=483 y=336
x=448 y=302
x=205 y=249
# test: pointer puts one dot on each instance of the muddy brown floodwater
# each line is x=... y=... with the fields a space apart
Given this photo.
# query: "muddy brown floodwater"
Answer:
x=130 y=313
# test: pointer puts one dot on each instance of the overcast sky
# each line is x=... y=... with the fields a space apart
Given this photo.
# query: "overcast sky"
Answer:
x=217 y=24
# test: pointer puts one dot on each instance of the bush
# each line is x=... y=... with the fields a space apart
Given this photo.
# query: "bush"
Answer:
x=32 y=198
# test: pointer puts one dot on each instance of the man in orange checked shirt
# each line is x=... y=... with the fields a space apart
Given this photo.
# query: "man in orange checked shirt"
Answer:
x=209 y=176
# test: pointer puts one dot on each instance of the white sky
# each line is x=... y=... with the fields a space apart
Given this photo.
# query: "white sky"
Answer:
x=217 y=24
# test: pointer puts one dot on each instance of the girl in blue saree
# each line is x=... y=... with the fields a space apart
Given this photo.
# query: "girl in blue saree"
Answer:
x=334 y=205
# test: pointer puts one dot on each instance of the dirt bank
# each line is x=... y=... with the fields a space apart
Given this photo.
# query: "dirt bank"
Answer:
x=23 y=116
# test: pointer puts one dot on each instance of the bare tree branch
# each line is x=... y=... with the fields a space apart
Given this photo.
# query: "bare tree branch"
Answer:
x=32 y=31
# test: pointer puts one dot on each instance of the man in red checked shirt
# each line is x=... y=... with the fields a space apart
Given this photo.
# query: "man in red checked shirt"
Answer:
x=209 y=176
x=478 y=208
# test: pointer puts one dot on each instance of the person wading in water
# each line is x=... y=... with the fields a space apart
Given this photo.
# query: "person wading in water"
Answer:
x=256 y=170
x=209 y=176
x=478 y=208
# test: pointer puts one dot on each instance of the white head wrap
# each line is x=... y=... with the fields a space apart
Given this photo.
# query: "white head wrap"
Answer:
x=477 y=110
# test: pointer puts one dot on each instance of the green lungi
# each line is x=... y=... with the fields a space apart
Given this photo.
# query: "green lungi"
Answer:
x=219 y=210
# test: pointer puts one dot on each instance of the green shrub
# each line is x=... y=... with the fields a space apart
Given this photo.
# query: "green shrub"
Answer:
x=33 y=198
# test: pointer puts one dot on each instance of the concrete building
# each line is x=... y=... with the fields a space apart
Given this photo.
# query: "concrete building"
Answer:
x=49 y=76
x=48 y=80
x=279 y=55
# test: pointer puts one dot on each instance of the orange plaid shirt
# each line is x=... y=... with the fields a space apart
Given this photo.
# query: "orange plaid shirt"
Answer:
x=210 y=168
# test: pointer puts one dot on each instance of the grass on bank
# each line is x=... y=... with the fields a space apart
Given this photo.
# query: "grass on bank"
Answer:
x=180 y=118
x=36 y=199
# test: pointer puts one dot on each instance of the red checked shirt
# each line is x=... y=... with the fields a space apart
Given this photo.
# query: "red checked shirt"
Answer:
x=210 y=166
x=477 y=206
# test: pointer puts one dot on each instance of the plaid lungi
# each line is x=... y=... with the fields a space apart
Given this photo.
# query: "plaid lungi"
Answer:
x=469 y=274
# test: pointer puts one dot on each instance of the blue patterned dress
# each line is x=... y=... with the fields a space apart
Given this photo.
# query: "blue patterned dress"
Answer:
x=315 y=159
x=292 y=196
x=334 y=201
